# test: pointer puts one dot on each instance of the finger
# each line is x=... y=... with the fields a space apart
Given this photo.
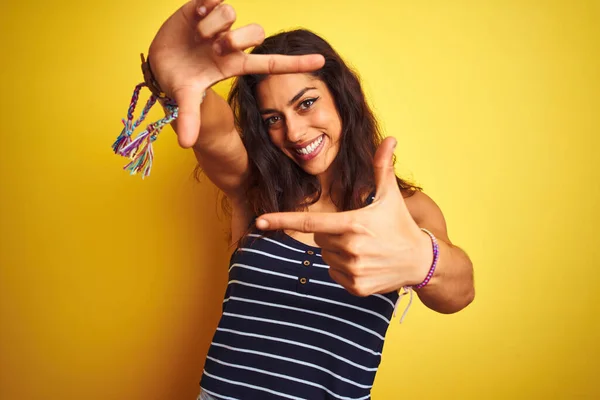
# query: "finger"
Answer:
x=361 y=286
x=218 y=20
x=385 y=175
x=279 y=64
x=343 y=279
x=188 y=121
x=330 y=242
x=349 y=246
x=240 y=39
x=334 y=223
x=204 y=7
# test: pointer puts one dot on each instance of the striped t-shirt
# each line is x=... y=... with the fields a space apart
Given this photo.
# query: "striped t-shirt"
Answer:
x=288 y=331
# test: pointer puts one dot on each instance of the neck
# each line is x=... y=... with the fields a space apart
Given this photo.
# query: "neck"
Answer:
x=325 y=203
x=325 y=180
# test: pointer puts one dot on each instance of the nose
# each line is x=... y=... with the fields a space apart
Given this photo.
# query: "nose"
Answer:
x=296 y=129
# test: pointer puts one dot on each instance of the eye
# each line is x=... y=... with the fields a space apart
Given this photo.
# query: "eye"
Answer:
x=269 y=122
x=308 y=103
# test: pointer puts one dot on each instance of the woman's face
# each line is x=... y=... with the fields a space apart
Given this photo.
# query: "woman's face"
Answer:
x=302 y=120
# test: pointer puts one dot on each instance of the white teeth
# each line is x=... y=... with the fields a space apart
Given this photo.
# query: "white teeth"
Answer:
x=311 y=147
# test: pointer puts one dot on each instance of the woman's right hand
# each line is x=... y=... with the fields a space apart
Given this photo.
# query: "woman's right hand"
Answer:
x=195 y=48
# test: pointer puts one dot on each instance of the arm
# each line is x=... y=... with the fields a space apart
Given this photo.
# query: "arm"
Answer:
x=196 y=48
x=451 y=289
x=223 y=158
x=380 y=248
x=219 y=148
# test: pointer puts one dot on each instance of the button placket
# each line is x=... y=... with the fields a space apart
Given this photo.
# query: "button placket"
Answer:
x=302 y=284
x=304 y=280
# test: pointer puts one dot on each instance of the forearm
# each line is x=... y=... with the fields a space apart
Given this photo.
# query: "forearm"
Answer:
x=451 y=288
x=216 y=120
x=216 y=116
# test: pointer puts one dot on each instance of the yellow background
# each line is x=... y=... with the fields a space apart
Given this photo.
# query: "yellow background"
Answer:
x=111 y=286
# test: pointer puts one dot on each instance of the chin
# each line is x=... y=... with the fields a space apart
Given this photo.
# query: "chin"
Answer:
x=315 y=168
x=320 y=164
x=314 y=171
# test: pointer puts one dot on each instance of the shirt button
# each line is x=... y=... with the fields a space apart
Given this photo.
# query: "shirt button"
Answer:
x=310 y=252
x=303 y=281
x=307 y=263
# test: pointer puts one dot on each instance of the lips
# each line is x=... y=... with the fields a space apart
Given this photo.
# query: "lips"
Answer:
x=306 y=150
x=311 y=150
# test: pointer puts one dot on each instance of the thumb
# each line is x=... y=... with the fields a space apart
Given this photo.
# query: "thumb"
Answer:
x=385 y=175
x=188 y=121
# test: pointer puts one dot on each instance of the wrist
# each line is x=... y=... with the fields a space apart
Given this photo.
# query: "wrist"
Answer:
x=150 y=79
x=428 y=260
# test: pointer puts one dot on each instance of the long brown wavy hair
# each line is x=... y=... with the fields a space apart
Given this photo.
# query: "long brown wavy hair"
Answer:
x=275 y=182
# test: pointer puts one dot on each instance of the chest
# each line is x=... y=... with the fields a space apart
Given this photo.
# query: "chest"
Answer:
x=306 y=238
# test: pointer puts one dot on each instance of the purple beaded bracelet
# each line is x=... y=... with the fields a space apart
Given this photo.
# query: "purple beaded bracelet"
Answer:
x=436 y=255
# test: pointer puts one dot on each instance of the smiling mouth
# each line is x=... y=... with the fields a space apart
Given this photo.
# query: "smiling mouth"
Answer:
x=308 y=150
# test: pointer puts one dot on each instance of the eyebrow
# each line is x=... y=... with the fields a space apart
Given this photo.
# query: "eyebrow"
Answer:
x=292 y=101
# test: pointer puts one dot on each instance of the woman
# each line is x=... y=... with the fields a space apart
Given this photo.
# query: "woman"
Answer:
x=315 y=279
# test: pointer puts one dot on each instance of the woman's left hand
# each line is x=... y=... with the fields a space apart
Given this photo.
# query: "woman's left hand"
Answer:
x=375 y=249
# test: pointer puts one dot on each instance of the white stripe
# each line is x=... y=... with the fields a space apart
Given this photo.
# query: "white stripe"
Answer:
x=272 y=321
x=287 y=396
x=215 y=395
x=308 y=346
x=321 y=266
x=329 y=284
x=264 y=303
x=386 y=299
x=269 y=255
x=335 y=285
x=264 y=271
x=276 y=242
x=282 y=376
x=310 y=297
x=283 y=245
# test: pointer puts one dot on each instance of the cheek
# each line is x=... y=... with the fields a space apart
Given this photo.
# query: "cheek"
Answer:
x=322 y=117
x=328 y=119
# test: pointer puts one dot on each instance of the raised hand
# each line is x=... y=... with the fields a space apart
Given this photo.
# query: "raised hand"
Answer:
x=195 y=48
x=376 y=249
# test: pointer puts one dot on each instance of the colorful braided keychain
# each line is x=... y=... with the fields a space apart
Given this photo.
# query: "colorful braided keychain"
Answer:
x=139 y=150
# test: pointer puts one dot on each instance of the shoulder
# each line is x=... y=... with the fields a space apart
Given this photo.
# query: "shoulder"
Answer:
x=426 y=213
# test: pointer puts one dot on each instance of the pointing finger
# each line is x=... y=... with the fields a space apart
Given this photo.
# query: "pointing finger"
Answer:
x=334 y=223
x=280 y=64
x=240 y=39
